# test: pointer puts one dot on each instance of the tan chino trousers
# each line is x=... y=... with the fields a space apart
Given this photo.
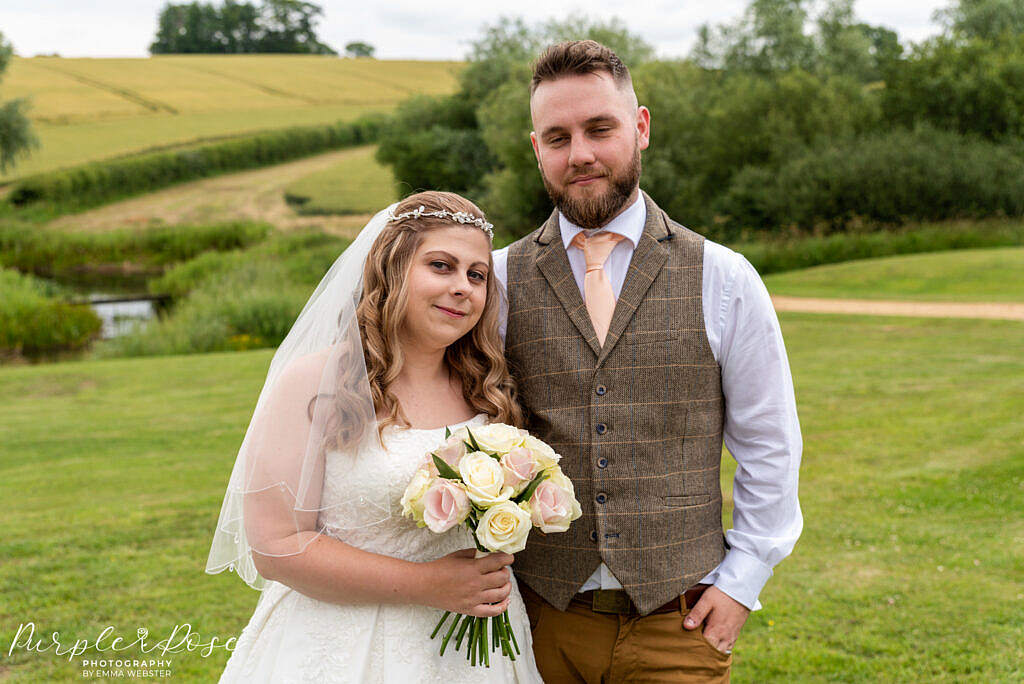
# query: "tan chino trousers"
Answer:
x=579 y=645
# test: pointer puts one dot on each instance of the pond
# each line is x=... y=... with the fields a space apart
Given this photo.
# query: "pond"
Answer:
x=121 y=301
x=120 y=313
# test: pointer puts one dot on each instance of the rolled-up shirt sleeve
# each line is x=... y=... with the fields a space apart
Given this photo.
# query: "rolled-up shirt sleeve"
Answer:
x=762 y=431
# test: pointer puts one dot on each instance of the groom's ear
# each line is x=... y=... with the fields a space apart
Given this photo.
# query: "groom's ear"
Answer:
x=643 y=126
x=533 y=141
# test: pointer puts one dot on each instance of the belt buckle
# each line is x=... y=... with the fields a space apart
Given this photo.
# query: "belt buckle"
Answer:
x=612 y=601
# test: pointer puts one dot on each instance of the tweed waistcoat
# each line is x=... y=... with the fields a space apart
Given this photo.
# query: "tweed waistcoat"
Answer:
x=638 y=421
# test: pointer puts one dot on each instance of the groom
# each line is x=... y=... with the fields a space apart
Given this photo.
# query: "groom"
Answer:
x=638 y=347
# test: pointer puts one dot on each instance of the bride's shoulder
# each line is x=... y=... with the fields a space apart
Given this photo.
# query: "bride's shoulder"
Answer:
x=304 y=372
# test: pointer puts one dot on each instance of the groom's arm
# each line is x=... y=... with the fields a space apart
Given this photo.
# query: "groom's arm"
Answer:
x=762 y=432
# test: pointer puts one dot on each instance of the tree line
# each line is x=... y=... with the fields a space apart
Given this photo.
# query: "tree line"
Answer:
x=275 y=26
x=785 y=119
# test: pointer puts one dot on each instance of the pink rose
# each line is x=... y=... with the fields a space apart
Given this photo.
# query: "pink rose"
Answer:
x=553 y=507
x=520 y=468
x=452 y=451
x=445 y=505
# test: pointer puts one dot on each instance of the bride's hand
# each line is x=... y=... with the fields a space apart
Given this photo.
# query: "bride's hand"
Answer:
x=462 y=583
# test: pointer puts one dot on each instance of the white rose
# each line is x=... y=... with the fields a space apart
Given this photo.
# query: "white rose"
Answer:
x=504 y=527
x=462 y=435
x=545 y=455
x=412 y=499
x=497 y=438
x=484 y=478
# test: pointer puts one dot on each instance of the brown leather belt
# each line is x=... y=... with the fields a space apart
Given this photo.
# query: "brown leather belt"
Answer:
x=617 y=601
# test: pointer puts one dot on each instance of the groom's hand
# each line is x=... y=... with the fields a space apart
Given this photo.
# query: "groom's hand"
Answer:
x=723 y=618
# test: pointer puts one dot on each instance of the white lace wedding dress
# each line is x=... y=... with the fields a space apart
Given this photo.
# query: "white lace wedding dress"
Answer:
x=294 y=638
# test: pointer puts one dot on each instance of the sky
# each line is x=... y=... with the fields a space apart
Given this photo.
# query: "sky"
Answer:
x=407 y=29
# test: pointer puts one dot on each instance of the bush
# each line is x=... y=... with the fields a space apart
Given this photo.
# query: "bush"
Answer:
x=34 y=319
x=432 y=143
x=305 y=255
x=48 y=252
x=974 y=87
x=515 y=198
x=706 y=127
x=892 y=177
x=98 y=182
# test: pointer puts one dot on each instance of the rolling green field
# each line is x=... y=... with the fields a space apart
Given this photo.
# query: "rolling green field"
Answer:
x=910 y=567
x=88 y=109
x=970 y=275
x=356 y=185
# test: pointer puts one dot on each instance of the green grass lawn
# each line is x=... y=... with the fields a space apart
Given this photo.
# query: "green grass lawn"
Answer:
x=356 y=185
x=910 y=568
x=995 y=275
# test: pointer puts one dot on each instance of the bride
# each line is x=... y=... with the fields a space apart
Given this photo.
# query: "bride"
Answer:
x=399 y=341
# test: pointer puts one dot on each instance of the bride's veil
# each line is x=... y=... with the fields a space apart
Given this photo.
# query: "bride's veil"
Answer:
x=315 y=413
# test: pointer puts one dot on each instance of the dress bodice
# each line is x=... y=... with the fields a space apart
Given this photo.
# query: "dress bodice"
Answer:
x=381 y=475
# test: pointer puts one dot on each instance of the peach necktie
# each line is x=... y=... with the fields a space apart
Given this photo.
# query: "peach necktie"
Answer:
x=597 y=289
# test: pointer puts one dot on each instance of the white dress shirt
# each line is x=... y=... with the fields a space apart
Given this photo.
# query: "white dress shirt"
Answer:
x=761 y=429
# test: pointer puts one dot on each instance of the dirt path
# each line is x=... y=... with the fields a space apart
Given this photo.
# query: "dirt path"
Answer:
x=253 y=195
x=1009 y=311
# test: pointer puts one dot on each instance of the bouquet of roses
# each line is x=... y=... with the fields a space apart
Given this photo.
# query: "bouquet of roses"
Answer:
x=500 y=482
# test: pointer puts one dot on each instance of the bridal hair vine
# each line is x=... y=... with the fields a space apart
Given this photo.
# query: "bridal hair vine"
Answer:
x=457 y=217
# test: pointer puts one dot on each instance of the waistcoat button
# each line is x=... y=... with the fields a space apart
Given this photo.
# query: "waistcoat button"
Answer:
x=601 y=498
x=602 y=462
x=601 y=428
x=593 y=535
x=601 y=389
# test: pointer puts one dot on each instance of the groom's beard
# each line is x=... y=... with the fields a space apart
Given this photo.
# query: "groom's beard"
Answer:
x=593 y=212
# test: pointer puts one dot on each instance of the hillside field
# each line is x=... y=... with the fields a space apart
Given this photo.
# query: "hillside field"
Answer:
x=977 y=275
x=257 y=194
x=87 y=109
x=358 y=184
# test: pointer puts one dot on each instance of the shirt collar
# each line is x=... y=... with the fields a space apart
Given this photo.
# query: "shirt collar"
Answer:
x=629 y=224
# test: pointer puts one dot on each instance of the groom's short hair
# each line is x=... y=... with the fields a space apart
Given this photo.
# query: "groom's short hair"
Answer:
x=578 y=57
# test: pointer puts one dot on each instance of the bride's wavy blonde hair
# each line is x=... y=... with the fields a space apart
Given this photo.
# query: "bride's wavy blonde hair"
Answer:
x=477 y=359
